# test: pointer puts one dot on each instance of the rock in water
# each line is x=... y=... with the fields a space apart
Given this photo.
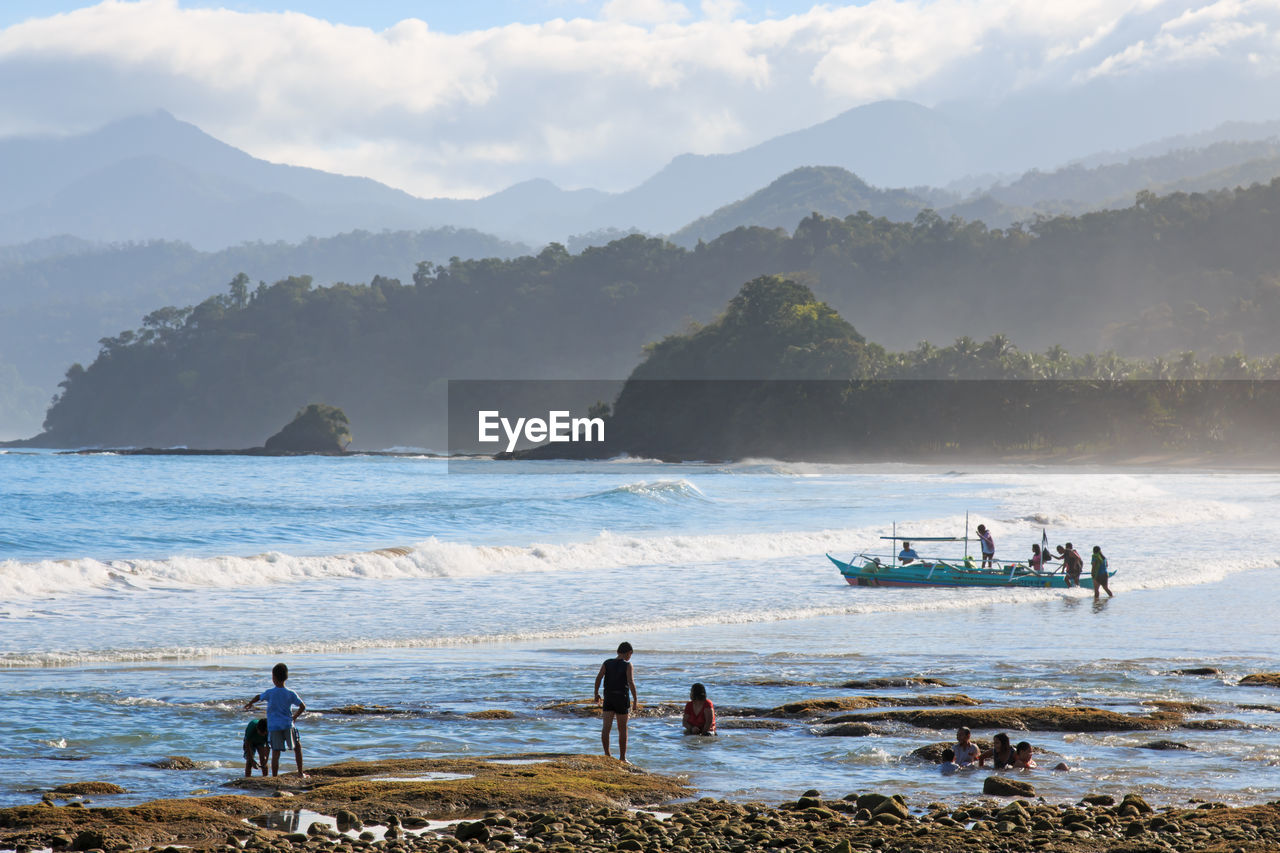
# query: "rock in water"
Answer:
x=999 y=786
x=1163 y=744
x=1261 y=679
x=848 y=730
x=316 y=429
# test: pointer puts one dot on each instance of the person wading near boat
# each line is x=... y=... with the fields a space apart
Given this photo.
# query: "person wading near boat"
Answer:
x=1099 y=572
x=907 y=554
x=988 y=546
x=619 y=685
x=1071 y=563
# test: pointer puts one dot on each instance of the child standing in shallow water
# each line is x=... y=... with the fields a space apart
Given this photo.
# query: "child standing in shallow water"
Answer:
x=280 y=731
x=699 y=713
x=619 y=685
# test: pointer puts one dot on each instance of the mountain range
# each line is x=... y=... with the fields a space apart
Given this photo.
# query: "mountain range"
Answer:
x=100 y=228
x=156 y=177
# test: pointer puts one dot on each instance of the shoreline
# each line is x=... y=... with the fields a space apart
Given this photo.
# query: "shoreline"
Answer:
x=1190 y=460
x=557 y=803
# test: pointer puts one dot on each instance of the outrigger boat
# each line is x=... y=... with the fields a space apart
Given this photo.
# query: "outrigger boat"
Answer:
x=886 y=570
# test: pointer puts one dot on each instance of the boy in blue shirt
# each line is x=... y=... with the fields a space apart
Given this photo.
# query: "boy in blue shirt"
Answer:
x=281 y=717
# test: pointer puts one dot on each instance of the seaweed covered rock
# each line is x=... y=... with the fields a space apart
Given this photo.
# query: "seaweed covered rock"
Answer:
x=848 y=730
x=441 y=788
x=76 y=789
x=814 y=707
x=173 y=762
x=316 y=429
x=1261 y=679
x=884 y=683
x=1045 y=718
x=1001 y=786
x=1163 y=744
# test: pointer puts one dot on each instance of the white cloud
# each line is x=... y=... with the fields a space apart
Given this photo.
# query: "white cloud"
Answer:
x=644 y=11
x=599 y=102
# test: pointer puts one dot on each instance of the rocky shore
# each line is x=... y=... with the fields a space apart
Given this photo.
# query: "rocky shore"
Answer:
x=570 y=803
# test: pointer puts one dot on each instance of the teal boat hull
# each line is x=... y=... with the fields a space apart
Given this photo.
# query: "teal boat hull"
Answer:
x=941 y=573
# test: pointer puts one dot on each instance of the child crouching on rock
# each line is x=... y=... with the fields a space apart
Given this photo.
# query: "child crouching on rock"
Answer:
x=255 y=744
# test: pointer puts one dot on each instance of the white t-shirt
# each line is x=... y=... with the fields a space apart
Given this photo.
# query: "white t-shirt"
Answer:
x=966 y=753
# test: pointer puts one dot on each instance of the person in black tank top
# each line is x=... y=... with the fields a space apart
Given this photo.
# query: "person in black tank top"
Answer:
x=619 y=687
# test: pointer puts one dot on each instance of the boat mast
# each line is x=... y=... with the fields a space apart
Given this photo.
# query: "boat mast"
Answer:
x=966 y=534
x=895 y=544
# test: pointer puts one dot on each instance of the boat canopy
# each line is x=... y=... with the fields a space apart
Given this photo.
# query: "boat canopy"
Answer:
x=928 y=538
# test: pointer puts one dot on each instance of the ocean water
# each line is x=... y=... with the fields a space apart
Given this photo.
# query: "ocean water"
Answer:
x=144 y=599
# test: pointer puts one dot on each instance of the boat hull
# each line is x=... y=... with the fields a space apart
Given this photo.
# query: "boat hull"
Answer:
x=944 y=574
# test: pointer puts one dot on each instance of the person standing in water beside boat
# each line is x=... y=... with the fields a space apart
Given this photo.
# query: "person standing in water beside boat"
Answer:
x=988 y=547
x=1098 y=570
x=1072 y=564
x=619 y=685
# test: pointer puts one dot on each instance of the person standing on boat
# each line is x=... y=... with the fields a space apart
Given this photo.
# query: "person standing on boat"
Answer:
x=1037 y=558
x=988 y=546
x=907 y=554
x=1099 y=572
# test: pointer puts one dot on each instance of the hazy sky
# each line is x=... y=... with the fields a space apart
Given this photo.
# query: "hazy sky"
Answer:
x=456 y=98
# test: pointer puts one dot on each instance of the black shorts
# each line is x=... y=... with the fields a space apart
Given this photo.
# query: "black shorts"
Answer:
x=618 y=703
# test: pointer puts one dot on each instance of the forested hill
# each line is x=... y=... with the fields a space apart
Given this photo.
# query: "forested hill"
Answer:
x=63 y=294
x=782 y=375
x=827 y=189
x=230 y=370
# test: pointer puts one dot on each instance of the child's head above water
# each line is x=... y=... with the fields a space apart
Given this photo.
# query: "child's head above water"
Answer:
x=280 y=673
x=698 y=691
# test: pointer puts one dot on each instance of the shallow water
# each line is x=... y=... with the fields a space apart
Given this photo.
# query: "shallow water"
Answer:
x=145 y=598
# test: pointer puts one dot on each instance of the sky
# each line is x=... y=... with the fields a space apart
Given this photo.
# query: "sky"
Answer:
x=462 y=99
x=449 y=16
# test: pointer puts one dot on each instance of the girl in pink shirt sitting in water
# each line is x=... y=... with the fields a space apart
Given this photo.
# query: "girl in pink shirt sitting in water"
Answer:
x=699 y=713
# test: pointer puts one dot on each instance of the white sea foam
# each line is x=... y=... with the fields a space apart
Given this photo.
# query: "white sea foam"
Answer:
x=661 y=490
x=856 y=603
x=435 y=558
x=432 y=558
